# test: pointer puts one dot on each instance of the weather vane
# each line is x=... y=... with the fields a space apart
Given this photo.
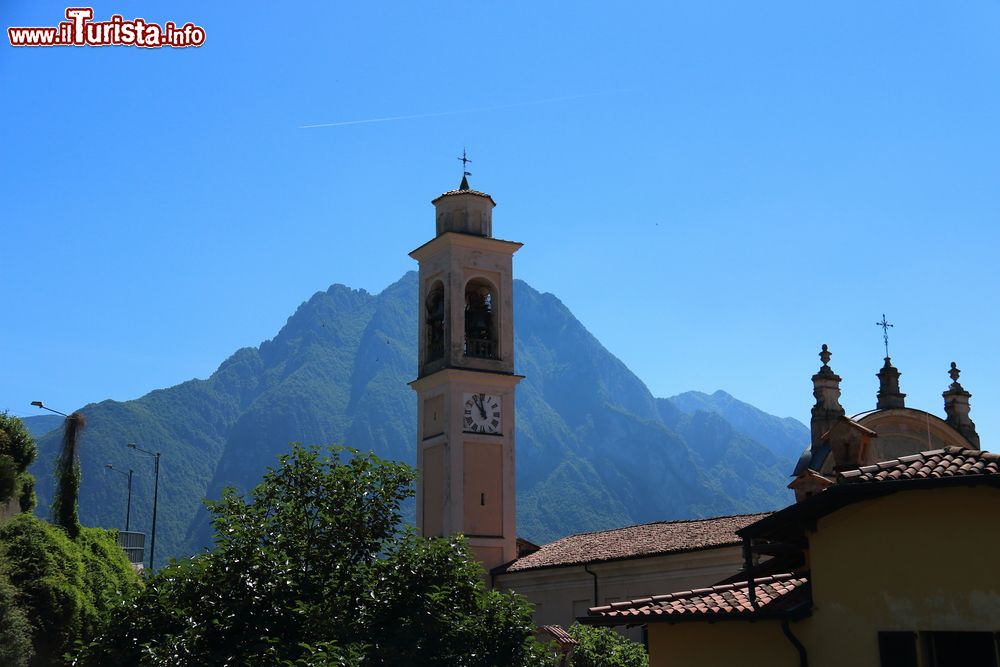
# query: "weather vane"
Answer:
x=465 y=161
x=885 y=333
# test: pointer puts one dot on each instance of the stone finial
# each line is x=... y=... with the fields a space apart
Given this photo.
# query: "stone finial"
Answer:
x=889 y=395
x=953 y=374
x=464 y=185
x=957 y=408
x=826 y=390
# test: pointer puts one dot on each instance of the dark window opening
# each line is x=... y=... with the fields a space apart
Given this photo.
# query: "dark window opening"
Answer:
x=480 y=321
x=434 y=306
x=938 y=649
x=961 y=649
x=897 y=649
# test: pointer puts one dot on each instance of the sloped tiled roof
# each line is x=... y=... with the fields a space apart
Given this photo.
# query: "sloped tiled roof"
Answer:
x=558 y=634
x=649 y=539
x=460 y=191
x=775 y=594
x=936 y=463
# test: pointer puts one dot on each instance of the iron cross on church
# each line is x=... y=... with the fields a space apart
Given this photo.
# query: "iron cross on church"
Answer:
x=465 y=161
x=885 y=333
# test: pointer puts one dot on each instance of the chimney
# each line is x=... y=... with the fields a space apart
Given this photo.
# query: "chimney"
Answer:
x=826 y=389
x=956 y=406
x=888 y=387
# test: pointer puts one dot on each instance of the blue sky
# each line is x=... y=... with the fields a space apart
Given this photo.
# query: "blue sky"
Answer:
x=713 y=188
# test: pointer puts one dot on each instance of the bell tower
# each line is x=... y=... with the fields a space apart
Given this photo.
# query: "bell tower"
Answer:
x=465 y=379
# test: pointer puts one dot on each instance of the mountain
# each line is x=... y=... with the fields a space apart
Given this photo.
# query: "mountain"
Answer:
x=39 y=425
x=786 y=437
x=594 y=448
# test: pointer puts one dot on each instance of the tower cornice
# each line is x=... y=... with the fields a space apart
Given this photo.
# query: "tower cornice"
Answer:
x=471 y=375
x=449 y=239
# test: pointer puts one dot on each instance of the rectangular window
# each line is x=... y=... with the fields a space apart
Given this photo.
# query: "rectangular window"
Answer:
x=897 y=649
x=961 y=649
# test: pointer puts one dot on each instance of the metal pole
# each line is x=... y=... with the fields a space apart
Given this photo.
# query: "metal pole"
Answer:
x=156 y=493
x=39 y=404
x=128 y=504
x=156 y=496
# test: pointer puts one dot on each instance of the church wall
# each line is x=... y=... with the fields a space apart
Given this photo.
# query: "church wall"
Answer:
x=562 y=594
x=904 y=431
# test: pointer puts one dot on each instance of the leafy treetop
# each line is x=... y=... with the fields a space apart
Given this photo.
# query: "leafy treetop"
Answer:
x=312 y=569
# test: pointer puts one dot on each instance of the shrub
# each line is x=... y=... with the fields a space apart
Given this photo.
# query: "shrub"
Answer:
x=603 y=647
x=15 y=630
x=67 y=588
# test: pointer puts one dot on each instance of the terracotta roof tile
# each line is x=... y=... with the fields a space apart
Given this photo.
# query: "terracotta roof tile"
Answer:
x=936 y=463
x=558 y=634
x=649 y=539
x=460 y=191
x=777 y=593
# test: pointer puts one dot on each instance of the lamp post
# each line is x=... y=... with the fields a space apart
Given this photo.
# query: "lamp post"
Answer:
x=39 y=404
x=128 y=503
x=156 y=492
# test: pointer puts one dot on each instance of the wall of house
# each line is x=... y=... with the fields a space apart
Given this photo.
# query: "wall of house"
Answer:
x=562 y=594
x=726 y=643
x=912 y=561
x=915 y=561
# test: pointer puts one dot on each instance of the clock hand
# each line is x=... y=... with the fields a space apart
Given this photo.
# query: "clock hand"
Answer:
x=479 y=404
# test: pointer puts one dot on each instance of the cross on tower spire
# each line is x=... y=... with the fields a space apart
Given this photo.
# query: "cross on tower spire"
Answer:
x=885 y=333
x=465 y=173
x=465 y=161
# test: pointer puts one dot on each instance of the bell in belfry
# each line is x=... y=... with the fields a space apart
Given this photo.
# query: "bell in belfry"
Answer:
x=478 y=319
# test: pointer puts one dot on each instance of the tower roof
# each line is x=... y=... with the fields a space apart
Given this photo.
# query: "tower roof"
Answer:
x=463 y=189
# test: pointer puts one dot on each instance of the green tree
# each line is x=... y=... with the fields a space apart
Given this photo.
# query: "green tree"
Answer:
x=312 y=569
x=603 y=647
x=17 y=452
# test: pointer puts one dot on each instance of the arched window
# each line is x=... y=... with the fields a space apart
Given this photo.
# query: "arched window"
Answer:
x=434 y=314
x=480 y=320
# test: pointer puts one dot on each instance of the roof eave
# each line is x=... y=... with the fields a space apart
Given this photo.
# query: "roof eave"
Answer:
x=617 y=559
x=845 y=493
x=799 y=612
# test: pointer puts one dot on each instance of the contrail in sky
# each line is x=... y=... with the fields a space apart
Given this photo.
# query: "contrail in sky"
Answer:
x=460 y=111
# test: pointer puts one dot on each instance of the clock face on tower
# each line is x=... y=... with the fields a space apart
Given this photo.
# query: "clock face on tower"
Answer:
x=482 y=413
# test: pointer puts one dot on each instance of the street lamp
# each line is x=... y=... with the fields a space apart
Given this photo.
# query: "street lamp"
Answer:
x=39 y=404
x=156 y=492
x=128 y=503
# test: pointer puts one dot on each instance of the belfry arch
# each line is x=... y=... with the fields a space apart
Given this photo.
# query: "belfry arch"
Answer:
x=434 y=311
x=481 y=339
